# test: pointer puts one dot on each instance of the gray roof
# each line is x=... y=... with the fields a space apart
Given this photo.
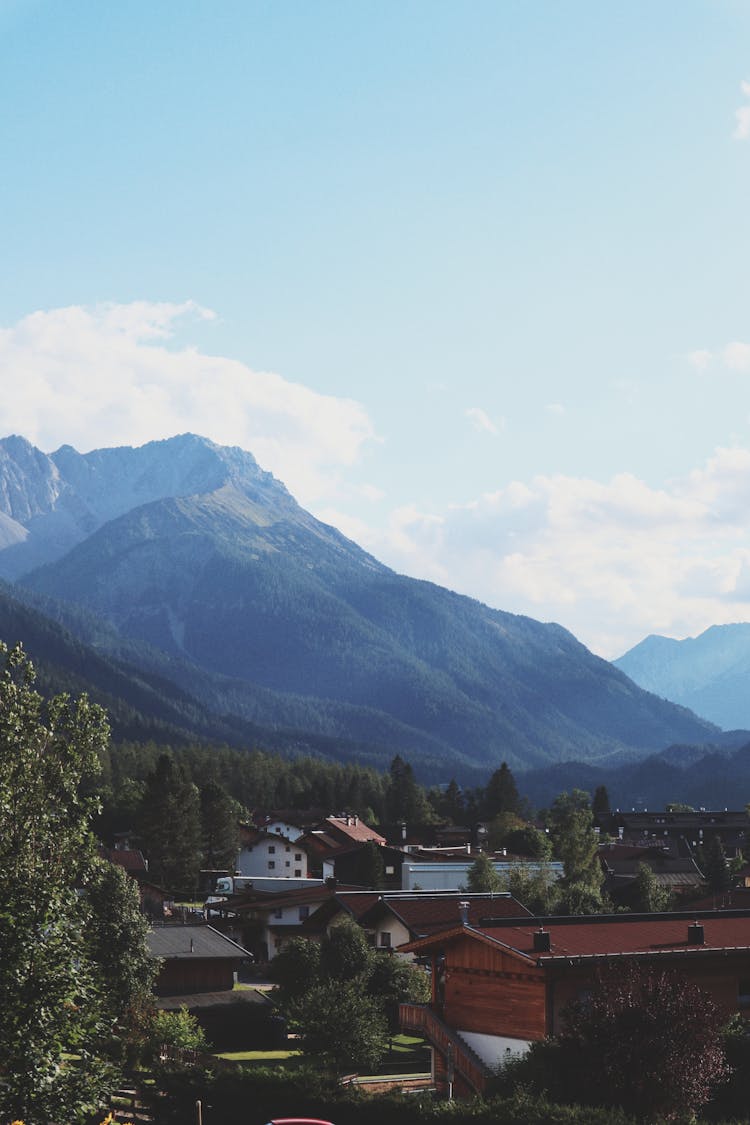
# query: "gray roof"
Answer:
x=172 y=942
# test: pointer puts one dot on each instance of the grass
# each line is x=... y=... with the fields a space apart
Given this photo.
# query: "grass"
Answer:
x=259 y=1056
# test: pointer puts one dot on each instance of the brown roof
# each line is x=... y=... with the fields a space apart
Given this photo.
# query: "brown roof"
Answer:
x=612 y=935
x=424 y=914
x=354 y=828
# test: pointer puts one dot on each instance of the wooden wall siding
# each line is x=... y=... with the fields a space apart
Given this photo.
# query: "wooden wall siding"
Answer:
x=182 y=977
x=719 y=976
x=509 y=1004
x=471 y=954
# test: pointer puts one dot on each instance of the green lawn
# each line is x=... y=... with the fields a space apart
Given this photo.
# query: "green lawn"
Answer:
x=259 y=1056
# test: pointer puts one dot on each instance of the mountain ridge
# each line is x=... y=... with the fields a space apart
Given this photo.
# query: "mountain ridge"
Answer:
x=280 y=611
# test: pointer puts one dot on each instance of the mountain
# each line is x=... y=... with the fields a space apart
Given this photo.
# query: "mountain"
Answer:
x=203 y=569
x=710 y=673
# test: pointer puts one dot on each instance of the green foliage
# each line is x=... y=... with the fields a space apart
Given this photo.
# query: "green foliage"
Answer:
x=346 y=1029
x=220 y=817
x=600 y=803
x=50 y=989
x=369 y=984
x=649 y=894
x=116 y=940
x=716 y=868
x=295 y=969
x=501 y=794
x=535 y=885
x=170 y=826
x=576 y=844
x=482 y=876
x=344 y=953
x=529 y=841
x=370 y=871
x=179 y=1030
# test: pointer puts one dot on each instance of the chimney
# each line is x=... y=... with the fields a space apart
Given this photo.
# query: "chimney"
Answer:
x=463 y=910
x=192 y=946
x=541 y=941
x=403 y=830
x=356 y=821
x=695 y=934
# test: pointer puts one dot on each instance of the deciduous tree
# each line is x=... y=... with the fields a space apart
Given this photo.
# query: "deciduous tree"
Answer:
x=647 y=1041
x=50 y=991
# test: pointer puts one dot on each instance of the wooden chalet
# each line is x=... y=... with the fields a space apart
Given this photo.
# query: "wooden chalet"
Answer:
x=501 y=983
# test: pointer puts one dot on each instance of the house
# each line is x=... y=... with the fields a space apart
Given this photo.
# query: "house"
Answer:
x=195 y=958
x=350 y=864
x=395 y=919
x=687 y=830
x=199 y=967
x=453 y=873
x=676 y=873
x=500 y=984
x=333 y=834
x=266 y=921
x=291 y=823
x=264 y=853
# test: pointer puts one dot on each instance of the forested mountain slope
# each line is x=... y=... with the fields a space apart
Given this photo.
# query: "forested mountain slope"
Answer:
x=267 y=614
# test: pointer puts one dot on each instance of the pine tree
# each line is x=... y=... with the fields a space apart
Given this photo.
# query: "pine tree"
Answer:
x=501 y=794
x=220 y=816
x=716 y=869
x=171 y=826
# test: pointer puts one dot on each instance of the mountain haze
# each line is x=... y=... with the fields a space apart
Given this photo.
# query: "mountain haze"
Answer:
x=710 y=673
x=189 y=550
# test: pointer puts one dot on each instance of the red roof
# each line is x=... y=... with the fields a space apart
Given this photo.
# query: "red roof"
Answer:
x=604 y=935
x=427 y=914
x=354 y=828
x=610 y=935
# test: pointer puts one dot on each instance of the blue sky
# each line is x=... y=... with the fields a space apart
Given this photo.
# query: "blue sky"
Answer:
x=471 y=278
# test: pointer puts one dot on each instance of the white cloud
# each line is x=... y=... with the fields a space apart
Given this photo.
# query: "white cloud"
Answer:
x=742 y=116
x=482 y=421
x=555 y=408
x=737 y=356
x=699 y=359
x=105 y=376
x=612 y=561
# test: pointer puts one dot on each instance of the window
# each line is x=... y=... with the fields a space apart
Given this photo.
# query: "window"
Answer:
x=297 y=856
x=287 y=864
x=272 y=849
x=287 y=849
x=390 y=869
x=385 y=940
x=304 y=912
x=271 y=864
x=297 y=873
x=279 y=913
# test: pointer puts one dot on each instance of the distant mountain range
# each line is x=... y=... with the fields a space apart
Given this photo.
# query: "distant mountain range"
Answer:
x=218 y=607
x=710 y=673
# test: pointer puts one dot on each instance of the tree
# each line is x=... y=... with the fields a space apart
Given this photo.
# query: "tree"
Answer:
x=576 y=844
x=344 y=953
x=342 y=1025
x=535 y=885
x=529 y=841
x=295 y=969
x=716 y=868
x=171 y=826
x=52 y=1002
x=482 y=876
x=600 y=804
x=116 y=939
x=647 y=1041
x=370 y=869
x=501 y=794
x=649 y=894
x=220 y=817
x=393 y=981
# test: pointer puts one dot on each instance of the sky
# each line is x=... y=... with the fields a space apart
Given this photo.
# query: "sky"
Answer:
x=470 y=277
